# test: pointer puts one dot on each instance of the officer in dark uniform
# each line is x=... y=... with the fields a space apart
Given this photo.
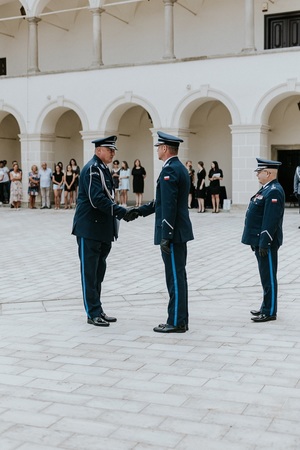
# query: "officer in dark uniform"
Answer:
x=263 y=231
x=173 y=229
x=96 y=226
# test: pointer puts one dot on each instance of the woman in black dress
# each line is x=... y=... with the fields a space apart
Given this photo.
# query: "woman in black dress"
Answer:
x=214 y=176
x=200 y=190
x=189 y=166
x=76 y=170
x=139 y=174
x=69 y=183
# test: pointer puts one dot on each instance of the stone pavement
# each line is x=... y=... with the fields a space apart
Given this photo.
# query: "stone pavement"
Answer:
x=226 y=384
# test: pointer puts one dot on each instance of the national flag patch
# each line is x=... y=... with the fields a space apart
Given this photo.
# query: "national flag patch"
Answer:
x=274 y=200
x=166 y=177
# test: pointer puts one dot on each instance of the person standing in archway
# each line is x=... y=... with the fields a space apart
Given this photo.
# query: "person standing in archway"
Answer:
x=297 y=185
x=215 y=176
x=139 y=174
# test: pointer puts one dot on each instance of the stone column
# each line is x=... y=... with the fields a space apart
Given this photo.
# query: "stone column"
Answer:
x=169 y=29
x=97 y=37
x=249 y=27
x=33 y=66
x=248 y=142
x=35 y=149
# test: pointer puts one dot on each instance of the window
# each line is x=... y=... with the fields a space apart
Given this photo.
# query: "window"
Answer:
x=2 y=66
x=282 y=30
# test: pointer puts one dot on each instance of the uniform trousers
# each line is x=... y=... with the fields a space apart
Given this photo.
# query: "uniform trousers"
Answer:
x=176 y=281
x=92 y=255
x=267 y=266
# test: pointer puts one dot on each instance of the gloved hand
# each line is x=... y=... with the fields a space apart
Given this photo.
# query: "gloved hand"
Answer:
x=263 y=251
x=165 y=246
x=131 y=214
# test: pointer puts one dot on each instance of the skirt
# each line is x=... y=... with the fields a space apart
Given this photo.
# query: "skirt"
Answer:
x=16 y=191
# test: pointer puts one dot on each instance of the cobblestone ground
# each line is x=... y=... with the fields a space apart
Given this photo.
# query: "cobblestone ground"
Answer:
x=226 y=384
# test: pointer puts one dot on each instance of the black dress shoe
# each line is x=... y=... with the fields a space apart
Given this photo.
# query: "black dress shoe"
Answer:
x=98 y=322
x=163 y=325
x=255 y=313
x=107 y=318
x=166 y=328
x=263 y=318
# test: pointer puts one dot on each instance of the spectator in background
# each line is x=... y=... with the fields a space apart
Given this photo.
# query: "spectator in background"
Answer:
x=33 y=186
x=115 y=173
x=297 y=185
x=191 y=172
x=69 y=182
x=11 y=170
x=76 y=171
x=139 y=175
x=45 y=175
x=62 y=197
x=4 y=182
x=58 y=181
x=200 y=190
x=214 y=176
x=124 y=183
x=16 y=191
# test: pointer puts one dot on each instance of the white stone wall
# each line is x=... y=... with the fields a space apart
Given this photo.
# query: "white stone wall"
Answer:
x=229 y=108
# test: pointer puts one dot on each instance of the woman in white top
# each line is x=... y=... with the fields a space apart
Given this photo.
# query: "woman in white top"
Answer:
x=124 y=183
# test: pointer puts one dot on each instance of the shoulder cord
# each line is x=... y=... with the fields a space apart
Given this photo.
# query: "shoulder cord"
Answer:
x=104 y=187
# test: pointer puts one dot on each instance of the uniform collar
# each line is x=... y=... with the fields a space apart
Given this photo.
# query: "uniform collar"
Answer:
x=100 y=162
x=167 y=160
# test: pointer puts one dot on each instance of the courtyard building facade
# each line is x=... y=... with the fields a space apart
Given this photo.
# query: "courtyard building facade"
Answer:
x=223 y=76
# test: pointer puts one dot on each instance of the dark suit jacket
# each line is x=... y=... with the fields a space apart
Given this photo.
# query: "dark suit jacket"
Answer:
x=172 y=219
x=96 y=214
x=264 y=216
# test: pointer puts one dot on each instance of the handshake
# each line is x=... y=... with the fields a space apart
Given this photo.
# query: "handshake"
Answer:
x=131 y=214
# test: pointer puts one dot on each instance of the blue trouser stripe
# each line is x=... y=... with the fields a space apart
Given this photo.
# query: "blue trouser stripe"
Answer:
x=272 y=283
x=175 y=285
x=82 y=261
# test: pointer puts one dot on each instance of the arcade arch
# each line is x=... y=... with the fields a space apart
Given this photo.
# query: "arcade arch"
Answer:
x=60 y=131
x=206 y=118
x=135 y=142
x=132 y=118
x=10 y=148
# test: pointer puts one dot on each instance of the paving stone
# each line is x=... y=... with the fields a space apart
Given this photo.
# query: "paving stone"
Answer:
x=225 y=384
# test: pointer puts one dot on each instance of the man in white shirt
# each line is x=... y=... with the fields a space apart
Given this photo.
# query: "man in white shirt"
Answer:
x=45 y=175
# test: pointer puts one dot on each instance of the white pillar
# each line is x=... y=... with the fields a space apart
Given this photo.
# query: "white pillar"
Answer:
x=35 y=149
x=97 y=37
x=248 y=142
x=33 y=66
x=169 y=29
x=249 y=27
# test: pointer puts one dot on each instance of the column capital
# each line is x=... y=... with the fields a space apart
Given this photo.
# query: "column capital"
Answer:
x=37 y=137
x=33 y=19
x=97 y=10
x=251 y=128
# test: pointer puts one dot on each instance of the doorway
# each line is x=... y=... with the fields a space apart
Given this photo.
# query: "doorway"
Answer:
x=290 y=159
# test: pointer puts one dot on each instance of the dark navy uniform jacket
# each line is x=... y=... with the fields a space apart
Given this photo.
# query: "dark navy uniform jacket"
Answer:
x=264 y=216
x=96 y=213
x=172 y=219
